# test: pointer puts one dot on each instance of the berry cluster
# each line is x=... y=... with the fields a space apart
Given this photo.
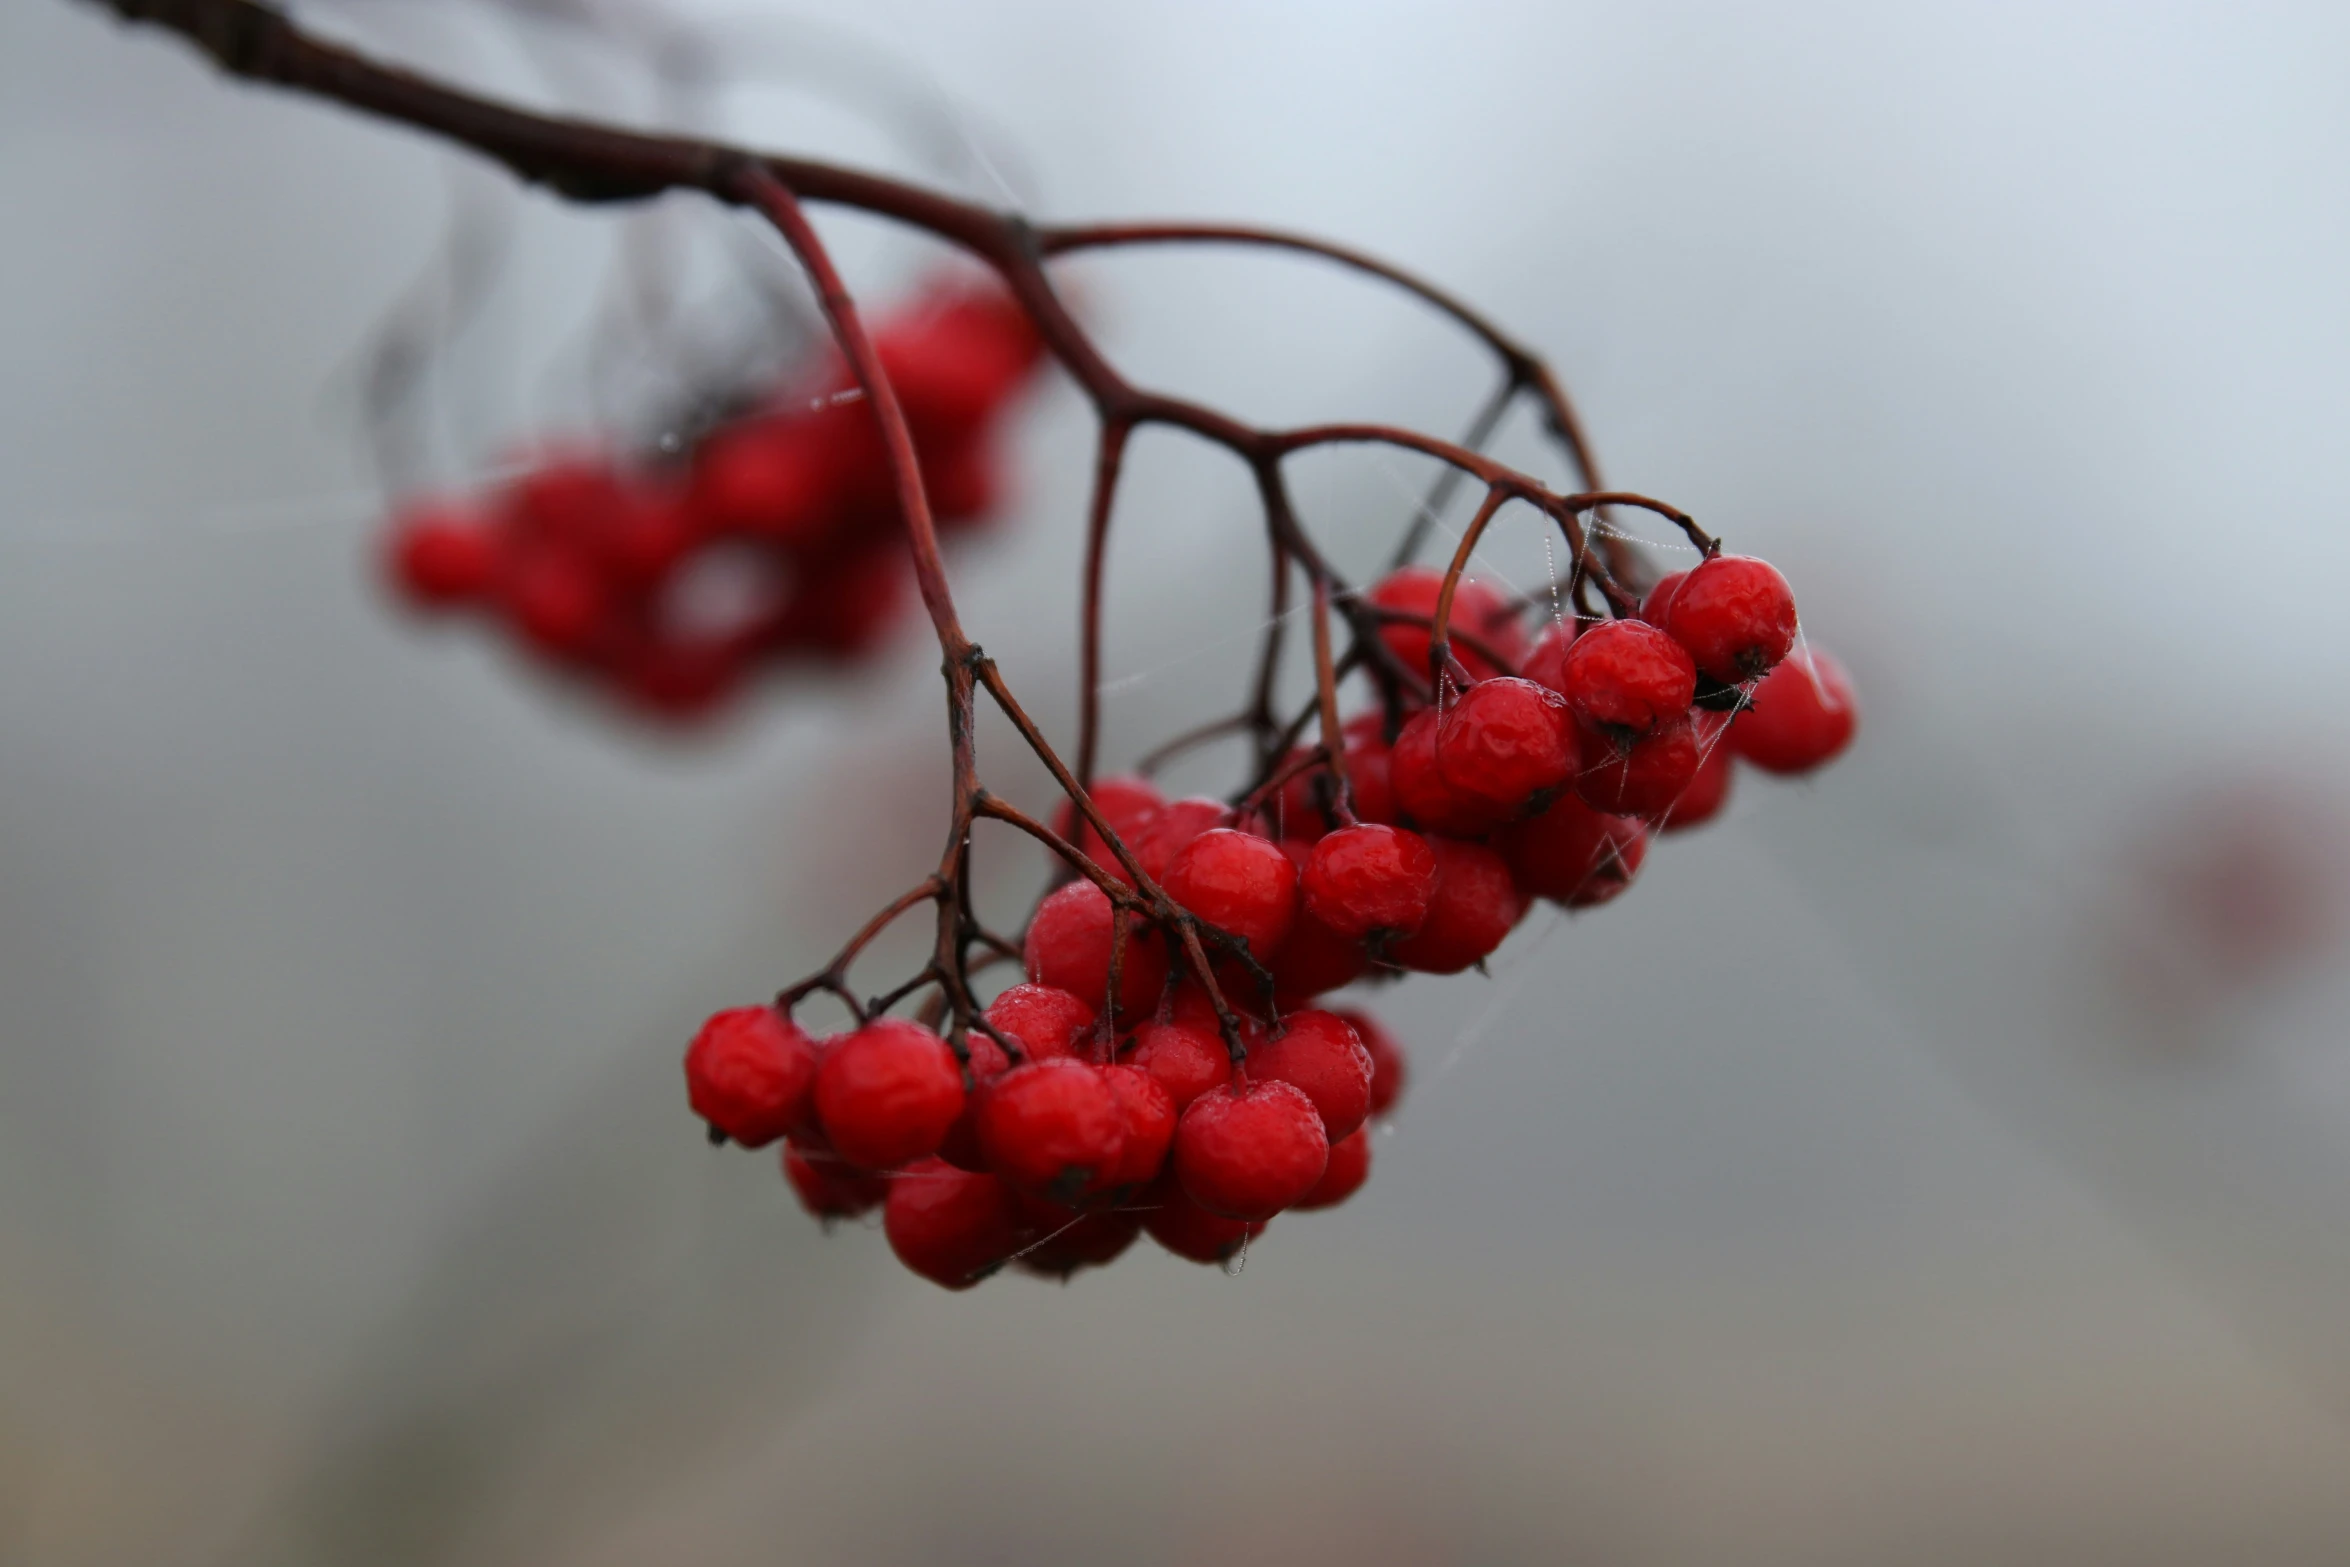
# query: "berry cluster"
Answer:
x=1058 y=1140
x=777 y=535
x=1114 y=1093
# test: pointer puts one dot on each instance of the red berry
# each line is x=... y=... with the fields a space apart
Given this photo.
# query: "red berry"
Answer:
x=1475 y=906
x=1239 y=883
x=1185 y=1058
x=1320 y=1055
x=1660 y=597
x=769 y=478
x=1068 y=1240
x=1629 y=675
x=1369 y=878
x=1068 y=947
x=1053 y=1127
x=1148 y=1111
x=749 y=1073
x=1644 y=778
x=555 y=600
x=1128 y=804
x=1803 y=714
x=1350 y=1166
x=1735 y=615
x=1369 y=762
x=1043 y=1021
x=441 y=556
x=1191 y=1231
x=887 y=1093
x=677 y=678
x=986 y=1062
x=1168 y=833
x=1574 y=855
x=1249 y=1151
x=949 y=1225
x=1316 y=959
x=1546 y=664
x=829 y=1187
x=1478 y=612
x=1506 y=744
x=1424 y=795
x=1709 y=791
x=1388 y=1068
x=846 y=604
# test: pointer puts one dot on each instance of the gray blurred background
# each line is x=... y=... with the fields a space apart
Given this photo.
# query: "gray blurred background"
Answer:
x=1913 y=1167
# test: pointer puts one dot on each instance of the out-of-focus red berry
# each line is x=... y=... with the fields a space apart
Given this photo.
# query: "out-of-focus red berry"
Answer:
x=1067 y=1240
x=1349 y=1167
x=767 y=478
x=1803 y=715
x=1191 y=1232
x=828 y=1186
x=1388 y=1067
x=1479 y=611
x=555 y=599
x=951 y=1226
x=441 y=556
x=1475 y=906
x=1709 y=790
x=1574 y=855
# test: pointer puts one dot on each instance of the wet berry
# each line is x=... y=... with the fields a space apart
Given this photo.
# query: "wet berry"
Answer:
x=1042 y=1020
x=750 y=1072
x=1239 y=883
x=1506 y=744
x=828 y=1186
x=1249 y=1152
x=1147 y=1113
x=1069 y=944
x=1127 y=804
x=1054 y=1128
x=1574 y=855
x=887 y=1093
x=1643 y=778
x=1735 y=614
x=1320 y=1055
x=1186 y=1058
x=1627 y=675
x=1479 y=613
x=1422 y=792
x=1709 y=790
x=1369 y=878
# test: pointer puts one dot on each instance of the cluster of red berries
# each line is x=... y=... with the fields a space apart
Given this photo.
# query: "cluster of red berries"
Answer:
x=777 y=535
x=1059 y=1158
x=1102 y=1098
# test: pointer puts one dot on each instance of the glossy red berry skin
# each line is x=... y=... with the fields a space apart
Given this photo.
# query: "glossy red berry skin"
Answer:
x=1069 y=943
x=1574 y=855
x=1475 y=906
x=1191 y=1232
x=441 y=557
x=952 y=1227
x=1803 y=715
x=1478 y=611
x=1187 y=1059
x=1507 y=744
x=1054 y=1128
x=1660 y=597
x=1170 y=831
x=1709 y=791
x=986 y=1062
x=1736 y=616
x=1320 y=1055
x=1546 y=662
x=1127 y=804
x=1247 y=1152
x=828 y=1186
x=1627 y=675
x=1042 y=1020
x=750 y=1072
x=1239 y=883
x=1148 y=1113
x=1642 y=779
x=1349 y=1167
x=888 y=1093
x=1422 y=792
x=1068 y=1239
x=1370 y=877
x=1389 y=1069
